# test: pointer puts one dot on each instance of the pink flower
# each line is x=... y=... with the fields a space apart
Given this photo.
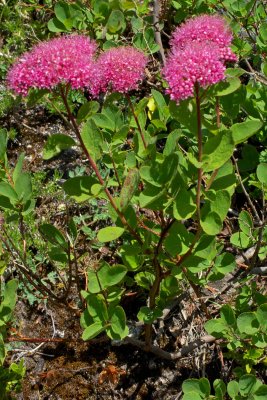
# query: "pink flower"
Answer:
x=210 y=28
x=68 y=59
x=119 y=69
x=196 y=62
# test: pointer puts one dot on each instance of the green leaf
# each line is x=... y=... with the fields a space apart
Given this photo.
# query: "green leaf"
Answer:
x=220 y=202
x=53 y=235
x=118 y=328
x=153 y=197
x=8 y=191
x=87 y=110
x=93 y=282
x=185 y=113
x=219 y=388
x=261 y=315
x=171 y=142
x=160 y=173
x=226 y=87
x=200 y=386
x=55 y=144
x=240 y=239
x=145 y=41
x=184 y=205
x=80 y=188
x=56 y=254
x=97 y=307
x=225 y=178
x=262 y=173
x=23 y=186
x=245 y=222
x=3 y=143
x=233 y=389
x=263 y=31
x=216 y=327
x=228 y=315
x=10 y=295
x=6 y=204
x=246 y=384
x=92 y=139
x=147 y=315
x=54 y=25
x=116 y=22
x=3 y=352
x=192 y=396
x=264 y=68
x=62 y=11
x=206 y=248
x=211 y=223
x=35 y=95
x=129 y=187
x=260 y=393
x=178 y=240
x=93 y=330
x=244 y=130
x=112 y=275
x=162 y=106
x=18 y=168
x=105 y=277
x=109 y=233
x=217 y=150
x=247 y=323
x=224 y=263
x=144 y=279
x=104 y=121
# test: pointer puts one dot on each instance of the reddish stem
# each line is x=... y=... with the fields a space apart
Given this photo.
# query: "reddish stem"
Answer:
x=96 y=170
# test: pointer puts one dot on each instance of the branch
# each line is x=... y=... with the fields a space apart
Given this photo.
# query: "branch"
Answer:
x=156 y=10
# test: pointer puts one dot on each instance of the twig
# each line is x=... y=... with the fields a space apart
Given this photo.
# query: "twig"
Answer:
x=259 y=77
x=165 y=354
x=156 y=11
x=255 y=212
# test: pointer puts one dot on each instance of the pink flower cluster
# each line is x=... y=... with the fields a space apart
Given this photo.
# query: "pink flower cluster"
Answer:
x=71 y=60
x=195 y=63
x=199 y=49
x=205 y=28
x=119 y=69
x=67 y=59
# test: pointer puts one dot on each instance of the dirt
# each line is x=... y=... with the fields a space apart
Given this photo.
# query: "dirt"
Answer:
x=77 y=370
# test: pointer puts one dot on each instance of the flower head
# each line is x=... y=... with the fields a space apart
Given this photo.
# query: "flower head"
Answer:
x=196 y=62
x=67 y=59
x=119 y=69
x=210 y=28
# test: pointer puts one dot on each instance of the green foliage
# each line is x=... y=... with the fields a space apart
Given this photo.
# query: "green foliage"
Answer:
x=245 y=332
x=166 y=224
x=247 y=388
x=10 y=377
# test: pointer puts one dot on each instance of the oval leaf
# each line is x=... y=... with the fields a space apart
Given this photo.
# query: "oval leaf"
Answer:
x=55 y=144
x=247 y=323
x=109 y=233
x=243 y=131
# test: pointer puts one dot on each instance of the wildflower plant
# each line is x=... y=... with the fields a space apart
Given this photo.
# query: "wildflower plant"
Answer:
x=154 y=192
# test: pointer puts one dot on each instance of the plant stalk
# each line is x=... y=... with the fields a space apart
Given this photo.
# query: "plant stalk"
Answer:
x=96 y=170
x=136 y=120
x=200 y=150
